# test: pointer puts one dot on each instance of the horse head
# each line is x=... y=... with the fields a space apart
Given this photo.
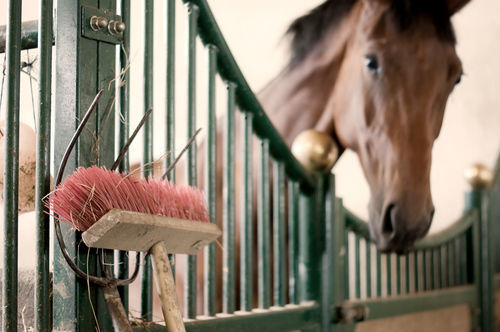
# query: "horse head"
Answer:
x=399 y=68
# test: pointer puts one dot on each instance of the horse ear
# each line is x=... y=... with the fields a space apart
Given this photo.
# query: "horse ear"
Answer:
x=455 y=5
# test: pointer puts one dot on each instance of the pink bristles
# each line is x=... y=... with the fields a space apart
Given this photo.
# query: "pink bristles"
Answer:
x=89 y=193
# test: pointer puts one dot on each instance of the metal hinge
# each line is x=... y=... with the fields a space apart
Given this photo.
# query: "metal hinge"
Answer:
x=102 y=24
x=349 y=313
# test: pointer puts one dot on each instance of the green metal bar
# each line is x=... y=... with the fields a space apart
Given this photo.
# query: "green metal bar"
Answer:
x=424 y=270
x=170 y=101
x=228 y=211
x=123 y=257
x=450 y=259
x=347 y=288
x=388 y=273
x=190 y=286
x=433 y=270
x=398 y=275
x=279 y=247
x=329 y=284
x=42 y=187
x=368 y=269
x=263 y=241
x=311 y=242
x=340 y=287
x=379 y=273
x=357 y=267
x=147 y=168
x=293 y=242
x=440 y=267
x=29 y=35
x=417 y=272
x=407 y=273
x=210 y=261
x=458 y=261
x=401 y=305
x=11 y=170
x=247 y=239
x=483 y=255
x=170 y=87
x=228 y=69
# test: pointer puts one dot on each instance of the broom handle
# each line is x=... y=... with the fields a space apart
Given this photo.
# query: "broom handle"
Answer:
x=166 y=288
x=116 y=309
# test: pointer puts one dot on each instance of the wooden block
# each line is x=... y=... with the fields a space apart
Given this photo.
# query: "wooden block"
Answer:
x=133 y=231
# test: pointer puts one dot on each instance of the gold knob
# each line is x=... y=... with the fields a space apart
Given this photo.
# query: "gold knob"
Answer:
x=315 y=150
x=478 y=176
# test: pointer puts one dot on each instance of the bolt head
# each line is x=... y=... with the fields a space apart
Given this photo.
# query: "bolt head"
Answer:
x=478 y=176
x=315 y=150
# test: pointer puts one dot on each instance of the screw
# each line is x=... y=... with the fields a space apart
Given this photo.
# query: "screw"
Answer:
x=98 y=22
x=116 y=27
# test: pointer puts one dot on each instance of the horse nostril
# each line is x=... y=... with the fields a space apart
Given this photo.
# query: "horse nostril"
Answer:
x=387 y=223
x=432 y=215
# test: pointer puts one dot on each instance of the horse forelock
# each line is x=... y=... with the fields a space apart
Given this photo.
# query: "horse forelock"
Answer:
x=309 y=30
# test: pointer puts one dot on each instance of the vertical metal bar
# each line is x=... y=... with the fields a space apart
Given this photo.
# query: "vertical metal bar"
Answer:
x=190 y=291
x=279 y=254
x=379 y=273
x=450 y=262
x=42 y=187
x=170 y=99
x=146 y=281
x=407 y=272
x=293 y=252
x=465 y=262
x=433 y=269
x=329 y=282
x=210 y=261
x=123 y=271
x=347 y=288
x=458 y=261
x=228 y=211
x=424 y=270
x=398 y=274
x=247 y=203
x=440 y=267
x=263 y=245
x=368 y=268
x=10 y=186
x=482 y=244
x=311 y=241
x=170 y=87
x=417 y=271
x=357 y=267
x=389 y=273
x=340 y=257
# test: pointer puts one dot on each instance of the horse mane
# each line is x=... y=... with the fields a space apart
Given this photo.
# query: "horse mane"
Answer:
x=308 y=30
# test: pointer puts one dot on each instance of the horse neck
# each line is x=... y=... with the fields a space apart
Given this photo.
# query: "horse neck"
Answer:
x=297 y=99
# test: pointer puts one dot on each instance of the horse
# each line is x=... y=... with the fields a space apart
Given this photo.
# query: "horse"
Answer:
x=375 y=75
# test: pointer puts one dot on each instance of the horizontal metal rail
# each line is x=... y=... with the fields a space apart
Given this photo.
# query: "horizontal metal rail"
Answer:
x=228 y=69
x=29 y=36
x=295 y=317
x=401 y=305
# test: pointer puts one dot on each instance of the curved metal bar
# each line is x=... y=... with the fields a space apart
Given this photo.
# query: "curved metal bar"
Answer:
x=97 y=280
x=357 y=225
x=125 y=282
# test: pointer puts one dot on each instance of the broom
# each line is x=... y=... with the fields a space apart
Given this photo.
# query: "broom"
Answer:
x=96 y=200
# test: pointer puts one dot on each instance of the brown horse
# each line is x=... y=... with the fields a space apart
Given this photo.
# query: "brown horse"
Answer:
x=375 y=75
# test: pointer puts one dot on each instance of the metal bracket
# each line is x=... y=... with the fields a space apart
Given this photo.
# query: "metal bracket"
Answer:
x=349 y=313
x=102 y=24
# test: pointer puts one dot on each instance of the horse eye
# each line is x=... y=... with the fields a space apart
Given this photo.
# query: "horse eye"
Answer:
x=372 y=64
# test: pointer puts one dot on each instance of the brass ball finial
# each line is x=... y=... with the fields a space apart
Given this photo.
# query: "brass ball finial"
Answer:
x=478 y=176
x=315 y=150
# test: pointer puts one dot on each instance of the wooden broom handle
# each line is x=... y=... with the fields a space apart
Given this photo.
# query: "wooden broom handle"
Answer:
x=166 y=288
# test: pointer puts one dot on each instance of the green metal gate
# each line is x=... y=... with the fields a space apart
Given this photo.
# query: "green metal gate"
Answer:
x=316 y=242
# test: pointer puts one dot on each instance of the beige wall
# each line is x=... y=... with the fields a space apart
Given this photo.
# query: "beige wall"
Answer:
x=254 y=31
